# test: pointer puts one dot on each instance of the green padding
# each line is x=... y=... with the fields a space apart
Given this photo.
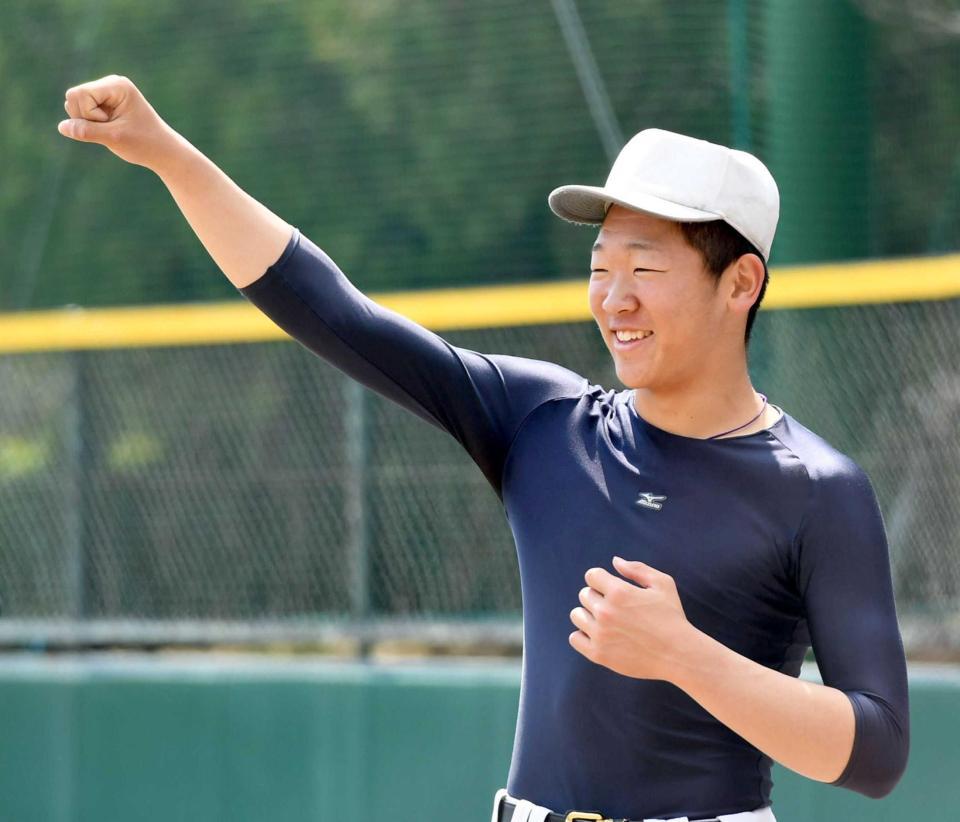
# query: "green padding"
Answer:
x=818 y=127
x=100 y=738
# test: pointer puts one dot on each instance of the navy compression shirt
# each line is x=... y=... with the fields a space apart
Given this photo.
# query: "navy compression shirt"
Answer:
x=775 y=540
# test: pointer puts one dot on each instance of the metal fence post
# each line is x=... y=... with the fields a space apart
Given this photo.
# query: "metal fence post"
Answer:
x=356 y=498
x=78 y=486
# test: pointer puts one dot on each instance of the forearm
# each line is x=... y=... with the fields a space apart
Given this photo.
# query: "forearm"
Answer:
x=241 y=234
x=804 y=726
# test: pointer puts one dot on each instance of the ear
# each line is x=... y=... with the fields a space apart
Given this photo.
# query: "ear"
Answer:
x=745 y=281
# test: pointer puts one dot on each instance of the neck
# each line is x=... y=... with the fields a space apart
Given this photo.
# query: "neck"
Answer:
x=706 y=408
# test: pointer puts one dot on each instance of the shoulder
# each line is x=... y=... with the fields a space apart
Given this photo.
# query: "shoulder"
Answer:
x=543 y=372
x=824 y=464
x=542 y=368
x=841 y=503
x=840 y=500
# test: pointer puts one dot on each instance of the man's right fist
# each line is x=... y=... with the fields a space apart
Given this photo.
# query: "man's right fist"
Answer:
x=111 y=111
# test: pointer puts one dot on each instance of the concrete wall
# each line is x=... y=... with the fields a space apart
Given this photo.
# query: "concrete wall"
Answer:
x=251 y=738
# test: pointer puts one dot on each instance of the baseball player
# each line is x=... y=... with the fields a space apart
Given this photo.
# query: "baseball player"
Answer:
x=681 y=542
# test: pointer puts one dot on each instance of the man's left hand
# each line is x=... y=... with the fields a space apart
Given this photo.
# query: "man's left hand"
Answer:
x=637 y=629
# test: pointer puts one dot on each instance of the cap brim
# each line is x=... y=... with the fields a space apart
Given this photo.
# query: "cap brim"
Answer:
x=589 y=204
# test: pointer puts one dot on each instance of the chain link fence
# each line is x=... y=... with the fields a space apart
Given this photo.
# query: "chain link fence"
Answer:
x=236 y=492
x=249 y=491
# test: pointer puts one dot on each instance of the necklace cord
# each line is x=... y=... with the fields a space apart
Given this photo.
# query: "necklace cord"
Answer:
x=724 y=433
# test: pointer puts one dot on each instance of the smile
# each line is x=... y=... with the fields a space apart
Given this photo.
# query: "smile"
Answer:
x=618 y=345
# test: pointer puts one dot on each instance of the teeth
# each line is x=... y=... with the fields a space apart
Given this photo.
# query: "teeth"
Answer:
x=626 y=336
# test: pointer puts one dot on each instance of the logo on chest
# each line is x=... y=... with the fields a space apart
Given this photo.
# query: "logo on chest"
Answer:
x=648 y=499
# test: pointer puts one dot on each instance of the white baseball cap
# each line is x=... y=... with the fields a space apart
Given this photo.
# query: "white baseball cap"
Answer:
x=681 y=178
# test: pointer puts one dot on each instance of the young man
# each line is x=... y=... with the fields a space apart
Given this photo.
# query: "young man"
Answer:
x=665 y=689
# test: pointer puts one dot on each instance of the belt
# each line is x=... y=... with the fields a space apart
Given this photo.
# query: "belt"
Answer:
x=505 y=814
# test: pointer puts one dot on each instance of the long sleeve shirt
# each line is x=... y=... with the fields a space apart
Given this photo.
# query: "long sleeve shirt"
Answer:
x=775 y=540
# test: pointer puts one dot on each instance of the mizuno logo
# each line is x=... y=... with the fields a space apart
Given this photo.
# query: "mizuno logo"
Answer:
x=650 y=500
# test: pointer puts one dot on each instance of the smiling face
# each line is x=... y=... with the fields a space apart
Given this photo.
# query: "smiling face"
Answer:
x=646 y=278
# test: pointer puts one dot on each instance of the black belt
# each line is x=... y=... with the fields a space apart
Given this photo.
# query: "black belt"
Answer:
x=505 y=814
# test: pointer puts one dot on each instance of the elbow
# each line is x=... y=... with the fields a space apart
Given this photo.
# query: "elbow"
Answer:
x=877 y=782
x=880 y=752
x=882 y=784
x=890 y=777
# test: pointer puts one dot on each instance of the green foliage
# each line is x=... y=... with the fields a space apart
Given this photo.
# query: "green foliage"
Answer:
x=416 y=140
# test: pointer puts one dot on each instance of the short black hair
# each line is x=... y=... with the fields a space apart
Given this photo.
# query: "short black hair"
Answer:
x=720 y=244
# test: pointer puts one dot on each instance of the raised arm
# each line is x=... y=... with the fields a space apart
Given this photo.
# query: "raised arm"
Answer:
x=482 y=400
x=242 y=235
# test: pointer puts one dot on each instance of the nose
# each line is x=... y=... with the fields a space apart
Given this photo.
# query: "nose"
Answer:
x=619 y=296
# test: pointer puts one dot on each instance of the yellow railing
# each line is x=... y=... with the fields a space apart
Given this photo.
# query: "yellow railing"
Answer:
x=835 y=284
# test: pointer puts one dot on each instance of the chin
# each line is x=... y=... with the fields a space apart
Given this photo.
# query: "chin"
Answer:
x=634 y=372
x=632 y=379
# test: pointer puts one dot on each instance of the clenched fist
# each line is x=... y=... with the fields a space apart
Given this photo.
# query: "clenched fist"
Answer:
x=111 y=111
x=637 y=630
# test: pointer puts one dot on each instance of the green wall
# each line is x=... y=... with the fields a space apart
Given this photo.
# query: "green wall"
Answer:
x=236 y=738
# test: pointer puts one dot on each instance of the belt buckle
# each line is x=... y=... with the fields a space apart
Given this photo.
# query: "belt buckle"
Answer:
x=585 y=816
